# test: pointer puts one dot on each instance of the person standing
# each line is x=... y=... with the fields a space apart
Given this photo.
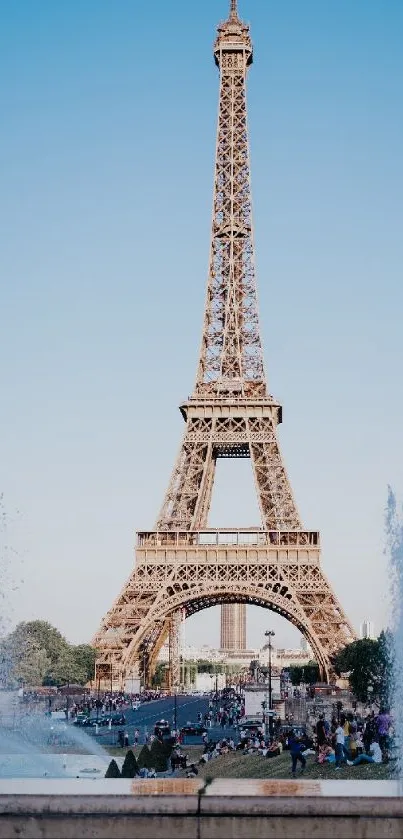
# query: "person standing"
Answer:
x=339 y=745
x=136 y=737
x=296 y=749
x=321 y=731
x=383 y=723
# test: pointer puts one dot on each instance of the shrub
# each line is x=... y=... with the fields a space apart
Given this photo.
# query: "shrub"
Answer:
x=158 y=756
x=113 y=770
x=144 y=759
x=130 y=768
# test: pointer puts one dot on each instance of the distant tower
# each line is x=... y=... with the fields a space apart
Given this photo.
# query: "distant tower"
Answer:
x=233 y=627
x=367 y=630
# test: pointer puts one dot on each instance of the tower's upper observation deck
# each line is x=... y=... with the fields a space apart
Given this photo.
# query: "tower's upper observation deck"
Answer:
x=233 y=36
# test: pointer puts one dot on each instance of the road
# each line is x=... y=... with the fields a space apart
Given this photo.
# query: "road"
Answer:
x=187 y=709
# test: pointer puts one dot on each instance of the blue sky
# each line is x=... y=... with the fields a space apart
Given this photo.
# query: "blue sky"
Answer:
x=107 y=147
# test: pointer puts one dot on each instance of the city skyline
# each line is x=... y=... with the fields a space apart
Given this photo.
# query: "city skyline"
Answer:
x=81 y=336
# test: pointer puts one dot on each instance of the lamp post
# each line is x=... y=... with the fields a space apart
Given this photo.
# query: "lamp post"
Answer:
x=175 y=714
x=97 y=674
x=270 y=634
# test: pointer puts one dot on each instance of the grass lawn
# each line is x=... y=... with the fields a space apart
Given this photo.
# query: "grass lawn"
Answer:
x=235 y=765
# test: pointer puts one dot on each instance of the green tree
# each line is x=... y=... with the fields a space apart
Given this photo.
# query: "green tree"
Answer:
x=307 y=673
x=84 y=659
x=36 y=653
x=130 y=768
x=144 y=758
x=160 y=675
x=295 y=673
x=158 y=756
x=22 y=660
x=66 y=670
x=46 y=636
x=369 y=665
x=113 y=770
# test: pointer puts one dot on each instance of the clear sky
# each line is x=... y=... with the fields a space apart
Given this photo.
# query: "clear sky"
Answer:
x=107 y=147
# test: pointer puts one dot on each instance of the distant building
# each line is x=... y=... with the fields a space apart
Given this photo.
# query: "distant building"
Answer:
x=284 y=657
x=305 y=646
x=233 y=627
x=367 y=630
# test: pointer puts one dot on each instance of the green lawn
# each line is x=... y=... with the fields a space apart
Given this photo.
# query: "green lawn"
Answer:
x=235 y=765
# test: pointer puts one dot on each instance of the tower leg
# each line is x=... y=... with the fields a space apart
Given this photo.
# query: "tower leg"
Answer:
x=174 y=649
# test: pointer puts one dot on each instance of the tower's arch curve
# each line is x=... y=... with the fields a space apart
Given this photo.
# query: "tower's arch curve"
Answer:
x=278 y=598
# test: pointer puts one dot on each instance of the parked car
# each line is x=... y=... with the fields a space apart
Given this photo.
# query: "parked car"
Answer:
x=250 y=728
x=195 y=728
x=117 y=719
x=162 y=729
x=81 y=719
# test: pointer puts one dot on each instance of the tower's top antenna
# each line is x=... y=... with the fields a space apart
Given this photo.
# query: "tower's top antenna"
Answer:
x=233 y=12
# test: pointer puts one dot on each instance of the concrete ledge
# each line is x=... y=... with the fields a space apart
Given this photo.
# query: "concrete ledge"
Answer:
x=191 y=809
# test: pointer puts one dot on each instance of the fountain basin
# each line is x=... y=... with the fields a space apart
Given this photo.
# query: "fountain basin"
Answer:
x=190 y=808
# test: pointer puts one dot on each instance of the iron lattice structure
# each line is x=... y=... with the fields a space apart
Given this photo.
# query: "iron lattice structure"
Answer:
x=183 y=567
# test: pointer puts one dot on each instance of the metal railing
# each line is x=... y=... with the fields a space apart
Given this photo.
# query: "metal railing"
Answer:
x=219 y=537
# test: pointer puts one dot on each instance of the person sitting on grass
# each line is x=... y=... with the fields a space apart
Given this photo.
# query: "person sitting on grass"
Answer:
x=325 y=752
x=375 y=755
x=275 y=749
x=296 y=749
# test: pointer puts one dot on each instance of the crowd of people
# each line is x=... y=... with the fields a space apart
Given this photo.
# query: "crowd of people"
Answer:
x=225 y=710
x=353 y=740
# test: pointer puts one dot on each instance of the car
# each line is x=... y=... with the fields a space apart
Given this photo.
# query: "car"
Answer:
x=194 y=728
x=162 y=729
x=117 y=719
x=250 y=728
x=81 y=719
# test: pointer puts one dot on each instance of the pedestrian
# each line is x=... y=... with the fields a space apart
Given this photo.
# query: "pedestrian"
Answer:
x=136 y=737
x=339 y=745
x=296 y=749
x=383 y=723
x=126 y=739
x=321 y=731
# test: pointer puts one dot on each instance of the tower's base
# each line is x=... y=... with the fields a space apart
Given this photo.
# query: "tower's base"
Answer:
x=193 y=570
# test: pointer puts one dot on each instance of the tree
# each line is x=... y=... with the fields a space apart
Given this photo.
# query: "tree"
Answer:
x=369 y=665
x=130 y=768
x=22 y=660
x=308 y=673
x=144 y=758
x=66 y=670
x=158 y=756
x=113 y=770
x=160 y=674
x=36 y=653
x=46 y=636
x=84 y=658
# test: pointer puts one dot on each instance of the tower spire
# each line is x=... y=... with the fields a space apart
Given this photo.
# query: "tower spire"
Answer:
x=233 y=12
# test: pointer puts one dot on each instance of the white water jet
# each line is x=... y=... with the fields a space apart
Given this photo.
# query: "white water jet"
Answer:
x=394 y=548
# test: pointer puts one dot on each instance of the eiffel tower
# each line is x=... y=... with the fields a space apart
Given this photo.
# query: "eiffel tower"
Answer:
x=184 y=566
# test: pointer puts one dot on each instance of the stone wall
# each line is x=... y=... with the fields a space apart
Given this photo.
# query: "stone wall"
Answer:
x=191 y=809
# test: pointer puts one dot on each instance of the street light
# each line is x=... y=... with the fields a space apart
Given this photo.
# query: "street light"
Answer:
x=175 y=714
x=270 y=634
